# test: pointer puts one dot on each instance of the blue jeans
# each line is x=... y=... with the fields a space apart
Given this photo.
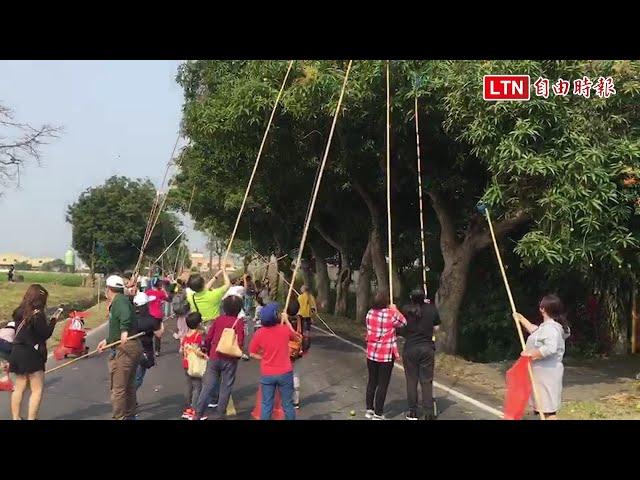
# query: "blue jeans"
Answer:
x=219 y=376
x=140 y=373
x=284 y=383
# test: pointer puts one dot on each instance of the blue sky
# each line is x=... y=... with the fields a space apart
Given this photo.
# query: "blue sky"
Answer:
x=119 y=118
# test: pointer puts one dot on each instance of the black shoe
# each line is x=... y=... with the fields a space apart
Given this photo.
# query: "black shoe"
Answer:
x=411 y=415
x=429 y=416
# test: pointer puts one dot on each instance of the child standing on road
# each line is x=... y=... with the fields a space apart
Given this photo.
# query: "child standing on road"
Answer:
x=192 y=339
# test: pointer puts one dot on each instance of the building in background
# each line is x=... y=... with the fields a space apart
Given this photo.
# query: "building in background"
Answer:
x=9 y=258
x=200 y=262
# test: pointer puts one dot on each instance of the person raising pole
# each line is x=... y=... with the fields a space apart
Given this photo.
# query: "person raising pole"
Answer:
x=205 y=299
x=419 y=353
x=546 y=346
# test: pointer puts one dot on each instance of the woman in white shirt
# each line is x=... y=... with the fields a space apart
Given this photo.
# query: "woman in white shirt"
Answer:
x=546 y=347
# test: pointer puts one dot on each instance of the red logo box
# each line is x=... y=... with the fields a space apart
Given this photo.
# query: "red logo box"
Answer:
x=506 y=87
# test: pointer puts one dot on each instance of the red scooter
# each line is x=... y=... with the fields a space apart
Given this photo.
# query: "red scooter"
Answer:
x=74 y=334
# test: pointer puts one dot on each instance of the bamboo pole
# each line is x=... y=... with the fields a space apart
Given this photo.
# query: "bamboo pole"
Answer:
x=92 y=352
x=424 y=255
x=317 y=185
x=389 y=187
x=255 y=166
x=536 y=397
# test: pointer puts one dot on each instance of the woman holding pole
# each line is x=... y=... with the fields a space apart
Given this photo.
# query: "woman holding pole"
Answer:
x=546 y=347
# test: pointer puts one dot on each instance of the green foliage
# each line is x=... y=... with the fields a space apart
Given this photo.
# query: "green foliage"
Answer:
x=560 y=159
x=113 y=217
x=55 y=265
x=564 y=162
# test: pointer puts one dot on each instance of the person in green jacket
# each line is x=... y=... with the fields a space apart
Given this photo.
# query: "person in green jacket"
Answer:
x=125 y=357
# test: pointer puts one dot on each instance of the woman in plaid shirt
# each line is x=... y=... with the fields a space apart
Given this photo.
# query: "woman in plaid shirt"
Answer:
x=382 y=350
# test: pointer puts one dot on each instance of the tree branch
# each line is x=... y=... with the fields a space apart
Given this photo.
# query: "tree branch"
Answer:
x=24 y=146
x=374 y=211
x=331 y=241
x=500 y=228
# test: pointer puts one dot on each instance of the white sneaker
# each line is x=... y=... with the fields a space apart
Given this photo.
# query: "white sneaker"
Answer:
x=378 y=417
x=369 y=414
x=213 y=405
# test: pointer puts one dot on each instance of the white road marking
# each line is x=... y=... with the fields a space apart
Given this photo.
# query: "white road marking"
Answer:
x=451 y=391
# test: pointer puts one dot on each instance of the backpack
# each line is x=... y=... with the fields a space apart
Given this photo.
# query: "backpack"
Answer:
x=295 y=346
x=179 y=304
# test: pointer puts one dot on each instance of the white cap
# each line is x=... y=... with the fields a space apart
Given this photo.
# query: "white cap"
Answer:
x=236 y=290
x=142 y=298
x=114 y=281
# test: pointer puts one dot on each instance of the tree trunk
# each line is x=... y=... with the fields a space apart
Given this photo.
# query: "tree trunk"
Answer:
x=616 y=301
x=377 y=252
x=307 y=274
x=453 y=283
x=457 y=257
x=397 y=286
x=322 y=279
x=342 y=291
x=379 y=261
x=363 y=288
x=343 y=279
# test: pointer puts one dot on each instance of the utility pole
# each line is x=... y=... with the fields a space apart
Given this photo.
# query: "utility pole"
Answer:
x=211 y=241
x=93 y=264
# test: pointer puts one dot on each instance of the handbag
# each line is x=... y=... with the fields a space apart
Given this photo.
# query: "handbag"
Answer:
x=196 y=364
x=147 y=360
x=228 y=343
x=295 y=346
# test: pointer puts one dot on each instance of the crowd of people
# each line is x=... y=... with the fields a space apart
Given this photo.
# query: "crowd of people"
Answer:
x=218 y=326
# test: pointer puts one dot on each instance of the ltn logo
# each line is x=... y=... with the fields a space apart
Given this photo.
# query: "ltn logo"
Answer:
x=506 y=87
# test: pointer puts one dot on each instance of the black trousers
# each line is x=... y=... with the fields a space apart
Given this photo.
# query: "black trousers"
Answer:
x=377 y=385
x=418 y=367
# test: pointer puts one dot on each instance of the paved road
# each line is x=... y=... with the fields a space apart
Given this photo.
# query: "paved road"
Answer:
x=333 y=378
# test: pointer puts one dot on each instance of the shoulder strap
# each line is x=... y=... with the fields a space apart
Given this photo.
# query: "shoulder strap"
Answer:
x=23 y=323
x=194 y=302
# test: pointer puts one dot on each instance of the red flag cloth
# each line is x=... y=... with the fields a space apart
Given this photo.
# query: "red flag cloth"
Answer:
x=518 y=389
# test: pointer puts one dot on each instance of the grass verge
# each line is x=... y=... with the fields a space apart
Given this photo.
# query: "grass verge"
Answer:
x=65 y=279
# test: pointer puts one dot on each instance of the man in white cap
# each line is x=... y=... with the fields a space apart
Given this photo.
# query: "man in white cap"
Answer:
x=124 y=358
x=152 y=327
